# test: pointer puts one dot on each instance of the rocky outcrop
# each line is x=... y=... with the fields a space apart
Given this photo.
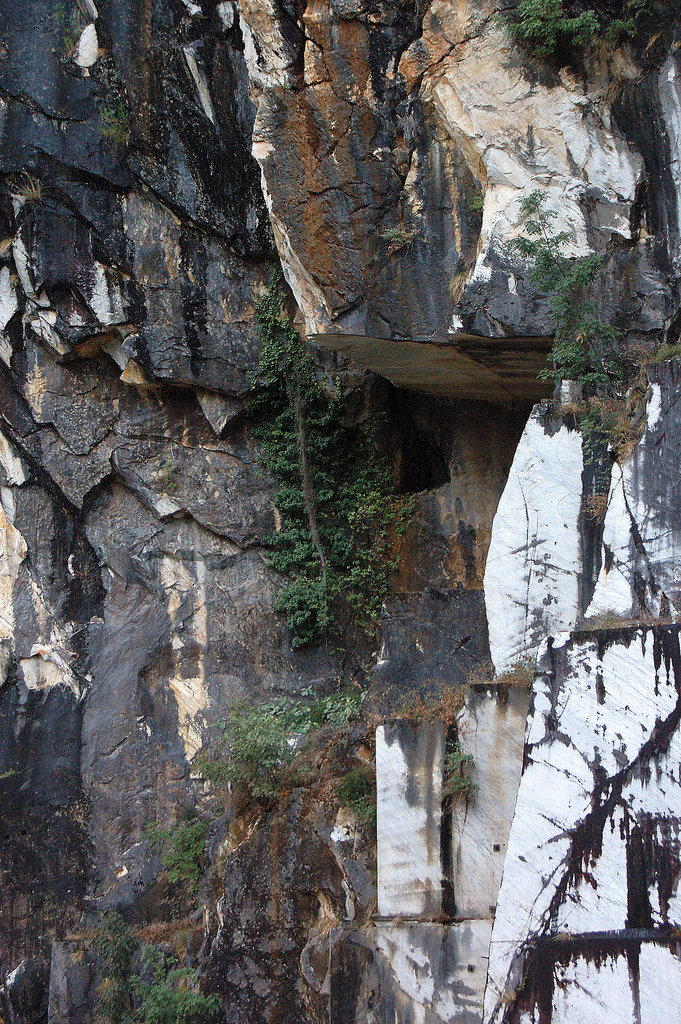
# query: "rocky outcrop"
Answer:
x=590 y=879
x=459 y=131
x=601 y=558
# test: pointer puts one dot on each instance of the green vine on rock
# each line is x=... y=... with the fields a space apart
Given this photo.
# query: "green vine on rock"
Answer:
x=336 y=508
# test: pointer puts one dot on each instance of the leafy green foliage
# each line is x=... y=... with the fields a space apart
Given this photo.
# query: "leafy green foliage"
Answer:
x=477 y=203
x=544 y=26
x=166 y=995
x=115 y=946
x=628 y=26
x=399 y=238
x=254 y=752
x=583 y=345
x=151 y=992
x=182 y=850
x=357 y=790
x=459 y=767
x=335 y=500
x=596 y=433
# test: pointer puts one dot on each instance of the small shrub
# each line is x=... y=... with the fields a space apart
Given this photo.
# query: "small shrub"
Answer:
x=399 y=238
x=114 y=122
x=255 y=752
x=169 y=472
x=458 y=778
x=182 y=850
x=477 y=203
x=357 y=791
x=628 y=26
x=116 y=947
x=543 y=25
x=155 y=992
x=583 y=347
x=167 y=994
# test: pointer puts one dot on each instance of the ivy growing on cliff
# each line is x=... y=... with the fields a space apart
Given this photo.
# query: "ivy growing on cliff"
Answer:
x=336 y=509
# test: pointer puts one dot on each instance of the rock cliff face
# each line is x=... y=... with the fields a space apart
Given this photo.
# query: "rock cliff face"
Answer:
x=158 y=162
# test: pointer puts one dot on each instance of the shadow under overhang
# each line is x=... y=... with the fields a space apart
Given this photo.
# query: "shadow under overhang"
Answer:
x=501 y=370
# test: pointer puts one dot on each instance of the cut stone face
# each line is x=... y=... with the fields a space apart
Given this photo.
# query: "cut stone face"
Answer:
x=593 y=866
x=409 y=772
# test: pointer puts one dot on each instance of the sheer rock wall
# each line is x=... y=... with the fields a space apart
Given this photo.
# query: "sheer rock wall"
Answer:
x=157 y=160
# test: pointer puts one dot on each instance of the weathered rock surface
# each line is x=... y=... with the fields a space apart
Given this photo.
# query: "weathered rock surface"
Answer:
x=590 y=887
x=555 y=559
x=452 y=114
x=156 y=161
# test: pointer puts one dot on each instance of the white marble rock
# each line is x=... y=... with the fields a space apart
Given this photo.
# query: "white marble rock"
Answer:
x=409 y=772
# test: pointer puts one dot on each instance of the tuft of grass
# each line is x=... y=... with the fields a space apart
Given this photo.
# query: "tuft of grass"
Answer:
x=27 y=187
x=399 y=238
x=444 y=708
x=606 y=620
x=666 y=352
x=520 y=674
x=596 y=506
